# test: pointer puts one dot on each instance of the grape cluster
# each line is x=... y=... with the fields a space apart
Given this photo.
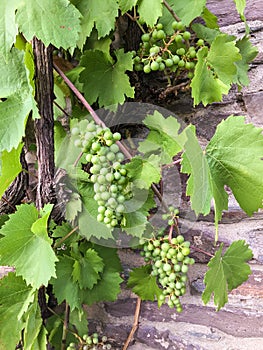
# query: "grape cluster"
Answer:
x=91 y=342
x=107 y=171
x=169 y=258
x=171 y=53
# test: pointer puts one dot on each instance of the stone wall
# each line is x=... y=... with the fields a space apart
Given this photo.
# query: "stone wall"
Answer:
x=238 y=326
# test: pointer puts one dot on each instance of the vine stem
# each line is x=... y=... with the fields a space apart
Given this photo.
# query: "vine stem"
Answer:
x=169 y=8
x=102 y=124
x=202 y=251
x=135 y=323
x=65 y=327
x=65 y=237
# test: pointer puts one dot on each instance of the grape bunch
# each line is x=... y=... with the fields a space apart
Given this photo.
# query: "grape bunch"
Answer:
x=107 y=171
x=170 y=53
x=169 y=258
x=91 y=342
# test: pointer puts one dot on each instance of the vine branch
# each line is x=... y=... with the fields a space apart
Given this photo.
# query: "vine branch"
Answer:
x=169 y=8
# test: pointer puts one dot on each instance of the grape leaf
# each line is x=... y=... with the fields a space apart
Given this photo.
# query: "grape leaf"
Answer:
x=106 y=81
x=144 y=171
x=61 y=28
x=64 y=286
x=26 y=246
x=210 y=19
x=199 y=183
x=240 y=6
x=87 y=269
x=164 y=137
x=10 y=167
x=187 y=11
x=8 y=27
x=155 y=7
x=143 y=283
x=73 y=207
x=226 y=272
x=206 y=87
x=234 y=155
x=33 y=325
x=126 y=5
x=15 y=297
x=108 y=287
x=222 y=57
x=248 y=53
x=99 y=12
x=79 y=320
x=203 y=32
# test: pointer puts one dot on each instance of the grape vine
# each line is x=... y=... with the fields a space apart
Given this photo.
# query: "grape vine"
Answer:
x=60 y=244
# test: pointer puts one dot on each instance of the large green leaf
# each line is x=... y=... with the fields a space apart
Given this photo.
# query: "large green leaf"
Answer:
x=15 y=298
x=199 y=183
x=234 y=156
x=187 y=10
x=106 y=81
x=100 y=13
x=226 y=272
x=215 y=70
x=150 y=10
x=26 y=246
x=126 y=5
x=10 y=167
x=240 y=6
x=61 y=26
x=8 y=27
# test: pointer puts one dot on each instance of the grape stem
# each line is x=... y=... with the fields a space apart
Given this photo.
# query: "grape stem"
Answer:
x=102 y=124
x=202 y=251
x=135 y=324
x=65 y=327
x=169 y=8
x=65 y=237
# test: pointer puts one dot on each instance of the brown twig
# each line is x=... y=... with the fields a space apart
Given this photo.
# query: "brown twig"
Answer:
x=135 y=324
x=171 y=10
x=65 y=327
x=65 y=237
x=202 y=251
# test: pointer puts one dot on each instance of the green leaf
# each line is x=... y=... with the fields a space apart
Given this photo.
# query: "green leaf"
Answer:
x=150 y=11
x=108 y=287
x=234 y=156
x=8 y=27
x=30 y=252
x=226 y=272
x=248 y=53
x=61 y=28
x=106 y=81
x=143 y=283
x=126 y=5
x=199 y=183
x=33 y=325
x=240 y=6
x=187 y=10
x=203 y=32
x=164 y=137
x=79 y=320
x=210 y=19
x=87 y=269
x=64 y=287
x=222 y=57
x=10 y=167
x=144 y=171
x=100 y=13
x=73 y=207
x=206 y=87
x=15 y=297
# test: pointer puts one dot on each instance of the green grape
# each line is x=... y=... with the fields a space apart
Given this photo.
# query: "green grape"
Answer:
x=185 y=251
x=187 y=65
x=159 y=59
x=181 y=63
x=75 y=131
x=180 y=239
x=109 y=177
x=161 y=34
x=169 y=62
x=184 y=268
x=180 y=26
x=116 y=136
x=145 y=37
x=155 y=49
x=155 y=66
x=178 y=38
x=147 y=69
x=180 y=51
x=159 y=26
x=200 y=42
x=161 y=66
x=192 y=53
x=186 y=35
x=91 y=127
x=96 y=146
x=78 y=143
x=175 y=59
x=175 y=25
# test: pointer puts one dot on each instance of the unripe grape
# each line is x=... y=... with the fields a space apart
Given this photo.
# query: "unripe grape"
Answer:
x=176 y=59
x=186 y=35
x=161 y=66
x=75 y=131
x=200 y=42
x=178 y=38
x=154 y=66
x=145 y=37
x=159 y=26
x=147 y=69
x=181 y=63
x=161 y=34
x=169 y=62
x=180 y=51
